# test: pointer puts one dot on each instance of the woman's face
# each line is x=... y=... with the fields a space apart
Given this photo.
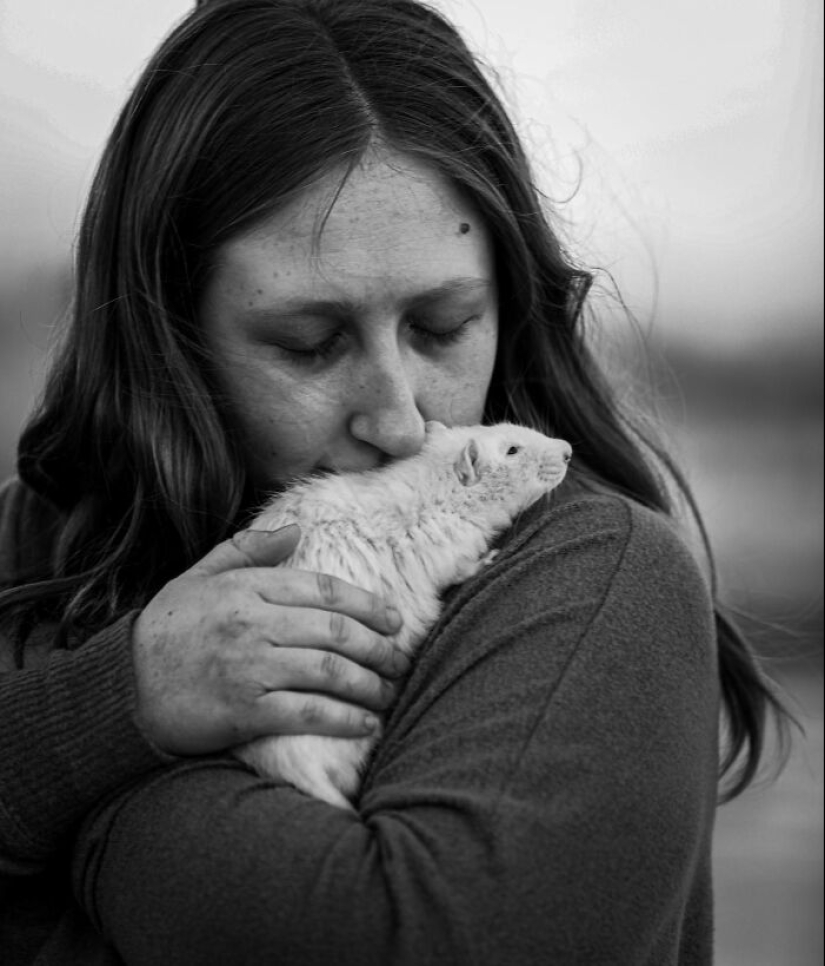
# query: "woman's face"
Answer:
x=340 y=330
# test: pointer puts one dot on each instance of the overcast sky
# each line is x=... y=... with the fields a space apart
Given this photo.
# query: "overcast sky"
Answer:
x=694 y=126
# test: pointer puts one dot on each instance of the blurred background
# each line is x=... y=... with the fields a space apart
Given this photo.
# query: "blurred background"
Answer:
x=681 y=146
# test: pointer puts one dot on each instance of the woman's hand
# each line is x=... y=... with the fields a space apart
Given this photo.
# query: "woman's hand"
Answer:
x=235 y=648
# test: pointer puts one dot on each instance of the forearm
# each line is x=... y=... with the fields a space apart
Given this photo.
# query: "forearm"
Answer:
x=66 y=730
x=66 y=738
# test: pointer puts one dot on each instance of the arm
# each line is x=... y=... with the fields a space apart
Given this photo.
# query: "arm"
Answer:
x=67 y=734
x=544 y=793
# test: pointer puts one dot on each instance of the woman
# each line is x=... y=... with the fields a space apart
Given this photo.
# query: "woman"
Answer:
x=314 y=228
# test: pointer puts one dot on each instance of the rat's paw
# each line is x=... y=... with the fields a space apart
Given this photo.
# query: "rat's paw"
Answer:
x=325 y=768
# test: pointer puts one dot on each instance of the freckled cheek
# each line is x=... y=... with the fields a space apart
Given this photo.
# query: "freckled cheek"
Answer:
x=251 y=404
x=456 y=395
x=460 y=402
x=292 y=422
x=276 y=445
x=477 y=372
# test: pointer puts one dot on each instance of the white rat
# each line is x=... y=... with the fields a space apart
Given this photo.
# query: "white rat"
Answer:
x=407 y=532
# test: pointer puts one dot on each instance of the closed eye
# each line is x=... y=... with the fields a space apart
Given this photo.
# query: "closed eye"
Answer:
x=314 y=353
x=427 y=334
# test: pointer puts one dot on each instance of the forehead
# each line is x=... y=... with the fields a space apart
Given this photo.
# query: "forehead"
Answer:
x=393 y=220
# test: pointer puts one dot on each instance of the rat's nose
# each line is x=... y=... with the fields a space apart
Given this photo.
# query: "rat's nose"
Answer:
x=567 y=452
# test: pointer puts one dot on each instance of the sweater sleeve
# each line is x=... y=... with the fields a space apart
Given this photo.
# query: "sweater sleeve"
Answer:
x=66 y=731
x=544 y=792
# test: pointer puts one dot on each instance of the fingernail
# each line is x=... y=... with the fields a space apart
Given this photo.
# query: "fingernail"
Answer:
x=268 y=533
x=393 y=616
x=371 y=723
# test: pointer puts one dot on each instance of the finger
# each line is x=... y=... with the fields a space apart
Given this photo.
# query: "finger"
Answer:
x=323 y=672
x=296 y=713
x=331 y=631
x=249 y=548
x=302 y=588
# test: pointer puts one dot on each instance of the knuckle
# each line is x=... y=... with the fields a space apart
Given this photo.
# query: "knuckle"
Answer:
x=332 y=667
x=311 y=713
x=339 y=630
x=233 y=623
x=280 y=629
x=230 y=679
x=229 y=582
x=329 y=590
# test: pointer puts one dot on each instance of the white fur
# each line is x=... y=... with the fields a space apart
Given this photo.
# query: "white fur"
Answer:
x=407 y=531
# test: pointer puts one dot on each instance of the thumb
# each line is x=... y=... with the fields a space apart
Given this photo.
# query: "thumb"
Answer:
x=249 y=548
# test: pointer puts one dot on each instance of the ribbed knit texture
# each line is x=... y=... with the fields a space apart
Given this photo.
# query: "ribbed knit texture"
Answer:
x=67 y=737
x=71 y=719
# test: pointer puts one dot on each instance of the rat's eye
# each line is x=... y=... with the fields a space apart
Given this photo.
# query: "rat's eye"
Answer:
x=513 y=450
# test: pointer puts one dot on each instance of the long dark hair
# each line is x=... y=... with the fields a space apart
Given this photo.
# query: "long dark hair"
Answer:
x=244 y=104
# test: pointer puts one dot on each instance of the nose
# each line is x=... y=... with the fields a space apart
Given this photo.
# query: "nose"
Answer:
x=566 y=452
x=386 y=414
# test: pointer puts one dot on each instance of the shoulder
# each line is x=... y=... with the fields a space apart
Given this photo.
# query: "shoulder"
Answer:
x=598 y=566
x=612 y=538
x=28 y=528
x=595 y=608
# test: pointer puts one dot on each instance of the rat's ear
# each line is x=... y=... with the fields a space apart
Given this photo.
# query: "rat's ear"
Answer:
x=468 y=465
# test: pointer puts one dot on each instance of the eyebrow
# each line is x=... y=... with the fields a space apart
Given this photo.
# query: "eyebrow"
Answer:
x=346 y=308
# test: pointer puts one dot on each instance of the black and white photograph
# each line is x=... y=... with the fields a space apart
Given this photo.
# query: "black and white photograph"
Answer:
x=411 y=483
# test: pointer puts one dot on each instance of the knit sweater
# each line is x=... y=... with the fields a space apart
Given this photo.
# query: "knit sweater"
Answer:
x=544 y=792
